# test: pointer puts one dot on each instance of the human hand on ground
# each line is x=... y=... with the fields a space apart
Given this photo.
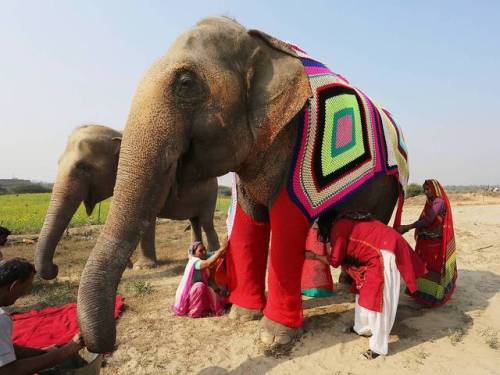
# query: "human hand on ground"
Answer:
x=78 y=341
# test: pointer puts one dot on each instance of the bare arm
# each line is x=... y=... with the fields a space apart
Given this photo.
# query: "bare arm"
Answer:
x=436 y=207
x=321 y=258
x=339 y=248
x=24 y=352
x=216 y=255
x=39 y=362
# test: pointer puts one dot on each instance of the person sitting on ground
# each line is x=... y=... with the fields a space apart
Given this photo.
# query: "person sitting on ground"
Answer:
x=375 y=256
x=16 y=280
x=195 y=296
x=4 y=233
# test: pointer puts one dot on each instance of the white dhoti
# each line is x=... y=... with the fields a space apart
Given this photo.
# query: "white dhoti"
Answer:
x=379 y=324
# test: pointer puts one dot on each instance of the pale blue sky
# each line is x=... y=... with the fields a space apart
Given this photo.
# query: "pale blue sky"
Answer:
x=434 y=64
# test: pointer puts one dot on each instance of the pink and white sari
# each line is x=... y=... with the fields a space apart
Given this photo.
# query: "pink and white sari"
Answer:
x=196 y=300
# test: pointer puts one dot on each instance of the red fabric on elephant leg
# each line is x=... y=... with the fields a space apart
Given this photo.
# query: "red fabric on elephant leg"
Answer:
x=49 y=326
x=315 y=274
x=246 y=261
x=289 y=229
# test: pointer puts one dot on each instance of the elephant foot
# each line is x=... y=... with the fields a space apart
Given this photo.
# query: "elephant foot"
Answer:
x=243 y=314
x=277 y=338
x=145 y=264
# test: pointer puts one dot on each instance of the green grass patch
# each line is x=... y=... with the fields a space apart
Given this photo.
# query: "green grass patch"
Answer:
x=25 y=213
x=223 y=204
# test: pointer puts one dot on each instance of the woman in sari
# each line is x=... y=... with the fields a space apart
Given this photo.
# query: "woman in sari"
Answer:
x=435 y=246
x=195 y=295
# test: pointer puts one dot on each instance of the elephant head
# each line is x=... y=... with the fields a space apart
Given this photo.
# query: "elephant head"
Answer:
x=212 y=104
x=87 y=173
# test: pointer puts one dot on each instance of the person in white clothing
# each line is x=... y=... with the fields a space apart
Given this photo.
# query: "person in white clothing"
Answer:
x=376 y=257
x=16 y=280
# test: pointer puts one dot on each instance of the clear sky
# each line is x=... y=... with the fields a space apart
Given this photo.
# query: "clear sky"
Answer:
x=434 y=64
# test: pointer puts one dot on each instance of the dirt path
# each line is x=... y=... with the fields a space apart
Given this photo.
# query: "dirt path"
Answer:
x=461 y=338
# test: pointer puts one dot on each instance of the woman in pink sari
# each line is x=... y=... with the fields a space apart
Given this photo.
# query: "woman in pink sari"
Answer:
x=194 y=296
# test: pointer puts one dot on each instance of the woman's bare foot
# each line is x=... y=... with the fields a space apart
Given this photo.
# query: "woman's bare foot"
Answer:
x=369 y=354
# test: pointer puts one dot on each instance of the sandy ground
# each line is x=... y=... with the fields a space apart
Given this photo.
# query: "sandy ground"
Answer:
x=462 y=337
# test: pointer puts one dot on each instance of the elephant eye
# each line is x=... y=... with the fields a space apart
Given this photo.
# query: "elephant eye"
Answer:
x=81 y=166
x=186 y=85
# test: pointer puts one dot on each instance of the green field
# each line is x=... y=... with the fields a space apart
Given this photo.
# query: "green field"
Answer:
x=24 y=213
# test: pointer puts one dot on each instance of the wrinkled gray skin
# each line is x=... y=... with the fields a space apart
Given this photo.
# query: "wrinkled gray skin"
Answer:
x=87 y=173
x=221 y=99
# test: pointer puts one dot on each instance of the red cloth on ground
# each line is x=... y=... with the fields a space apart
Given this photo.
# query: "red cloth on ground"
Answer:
x=246 y=261
x=357 y=244
x=289 y=229
x=49 y=326
x=315 y=274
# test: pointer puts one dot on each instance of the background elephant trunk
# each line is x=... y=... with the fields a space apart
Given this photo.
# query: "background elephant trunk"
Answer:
x=66 y=197
x=142 y=186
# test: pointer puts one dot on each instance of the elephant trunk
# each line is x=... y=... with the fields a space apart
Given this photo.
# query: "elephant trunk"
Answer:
x=143 y=182
x=66 y=197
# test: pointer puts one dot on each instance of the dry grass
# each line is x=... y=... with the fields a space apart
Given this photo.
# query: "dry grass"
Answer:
x=491 y=338
x=152 y=341
x=456 y=335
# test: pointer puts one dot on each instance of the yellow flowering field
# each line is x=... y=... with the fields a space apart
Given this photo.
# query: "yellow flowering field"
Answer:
x=24 y=213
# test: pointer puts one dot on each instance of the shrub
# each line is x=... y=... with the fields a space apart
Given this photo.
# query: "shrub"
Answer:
x=141 y=287
x=31 y=188
x=413 y=190
x=225 y=191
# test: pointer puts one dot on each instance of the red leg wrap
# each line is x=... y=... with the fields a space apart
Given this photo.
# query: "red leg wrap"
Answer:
x=247 y=260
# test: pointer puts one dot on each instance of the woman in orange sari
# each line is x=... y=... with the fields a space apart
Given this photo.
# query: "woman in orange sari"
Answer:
x=435 y=246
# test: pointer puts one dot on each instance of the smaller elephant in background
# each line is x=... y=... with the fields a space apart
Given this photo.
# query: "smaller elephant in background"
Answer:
x=87 y=173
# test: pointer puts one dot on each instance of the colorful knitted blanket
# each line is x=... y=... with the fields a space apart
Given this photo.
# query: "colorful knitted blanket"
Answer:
x=345 y=140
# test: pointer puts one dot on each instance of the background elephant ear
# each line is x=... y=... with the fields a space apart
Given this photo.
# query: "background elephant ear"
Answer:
x=117 y=141
x=89 y=206
x=277 y=87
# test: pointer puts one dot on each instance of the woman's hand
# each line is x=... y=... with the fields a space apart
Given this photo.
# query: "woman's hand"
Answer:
x=216 y=255
x=321 y=258
x=402 y=229
x=224 y=245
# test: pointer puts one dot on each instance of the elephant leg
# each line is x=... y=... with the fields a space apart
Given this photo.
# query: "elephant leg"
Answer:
x=212 y=238
x=246 y=262
x=289 y=229
x=387 y=201
x=195 y=229
x=147 y=258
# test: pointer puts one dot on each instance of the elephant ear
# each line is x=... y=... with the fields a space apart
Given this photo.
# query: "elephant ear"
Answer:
x=117 y=142
x=277 y=87
x=89 y=206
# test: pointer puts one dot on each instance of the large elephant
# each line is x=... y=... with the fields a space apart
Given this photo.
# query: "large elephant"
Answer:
x=87 y=173
x=221 y=99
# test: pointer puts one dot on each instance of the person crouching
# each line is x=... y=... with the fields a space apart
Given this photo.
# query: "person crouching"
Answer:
x=375 y=256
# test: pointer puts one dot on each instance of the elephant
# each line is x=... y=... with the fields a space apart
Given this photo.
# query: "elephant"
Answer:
x=222 y=99
x=87 y=172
